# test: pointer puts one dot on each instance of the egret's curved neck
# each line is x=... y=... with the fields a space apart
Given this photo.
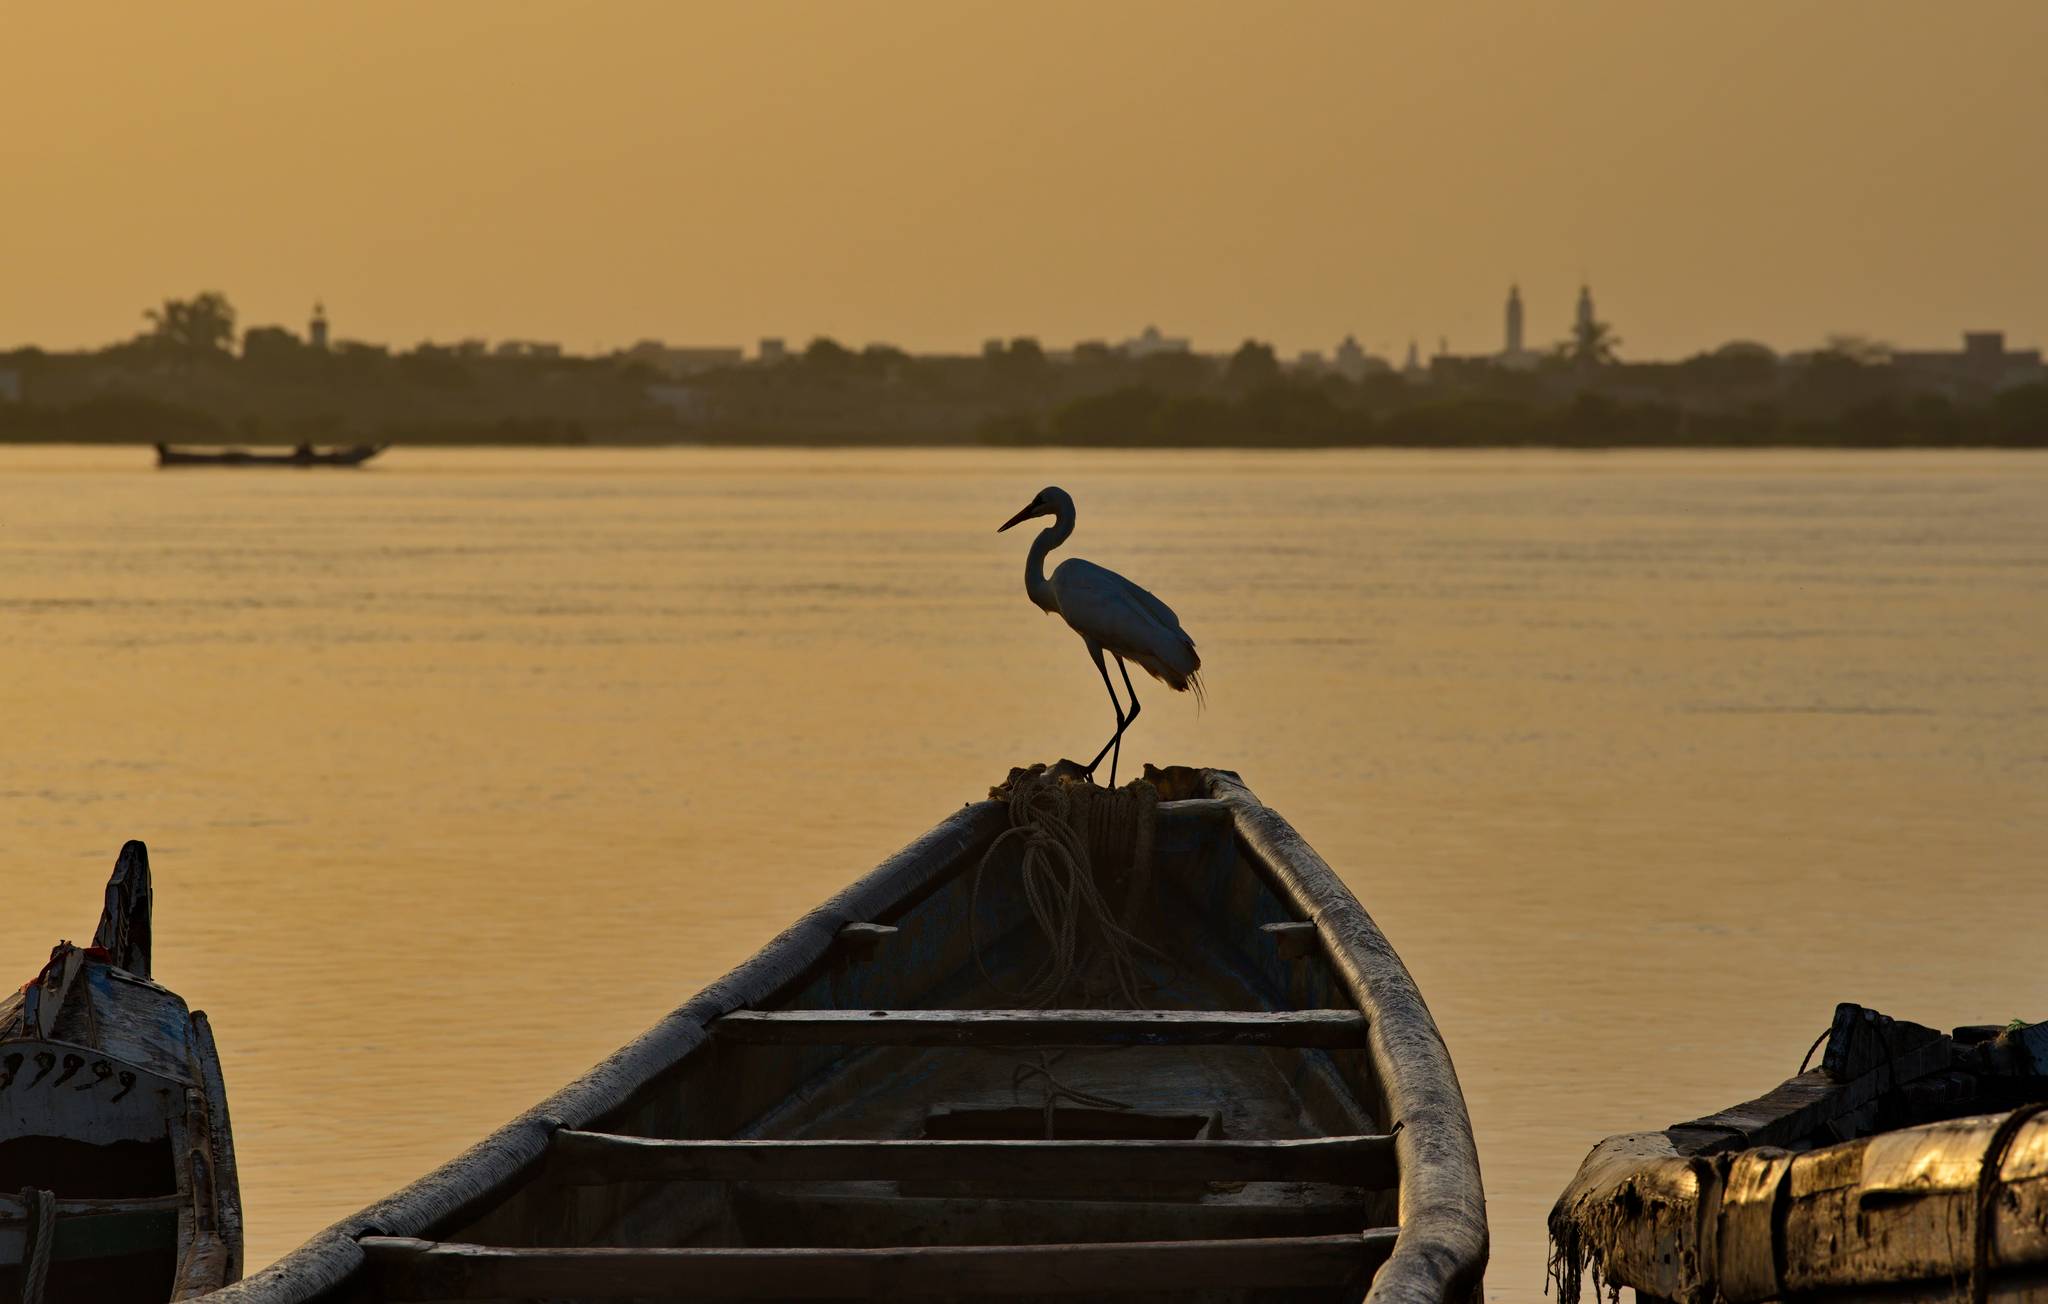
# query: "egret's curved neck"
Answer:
x=1036 y=586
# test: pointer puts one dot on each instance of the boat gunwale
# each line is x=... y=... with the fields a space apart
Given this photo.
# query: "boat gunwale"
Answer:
x=1440 y=1252
x=1442 y=1249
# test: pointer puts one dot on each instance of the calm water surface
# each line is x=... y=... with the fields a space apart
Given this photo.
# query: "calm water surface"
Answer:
x=459 y=771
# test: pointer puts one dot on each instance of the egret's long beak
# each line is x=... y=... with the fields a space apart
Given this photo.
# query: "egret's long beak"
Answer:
x=1030 y=510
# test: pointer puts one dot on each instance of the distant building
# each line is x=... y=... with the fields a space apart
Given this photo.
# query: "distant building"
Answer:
x=1413 y=368
x=10 y=385
x=685 y=404
x=1354 y=363
x=678 y=363
x=1149 y=342
x=1582 y=318
x=1310 y=360
x=1984 y=366
x=772 y=349
x=1514 y=353
x=526 y=349
x=316 y=329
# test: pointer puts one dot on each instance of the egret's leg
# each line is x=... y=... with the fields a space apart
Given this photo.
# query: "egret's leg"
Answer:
x=1117 y=751
x=1114 y=705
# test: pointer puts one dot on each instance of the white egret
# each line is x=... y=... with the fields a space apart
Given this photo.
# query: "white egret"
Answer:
x=1110 y=614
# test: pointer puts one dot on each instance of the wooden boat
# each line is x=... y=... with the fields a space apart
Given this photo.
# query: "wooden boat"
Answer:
x=303 y=455
x=1227 y=1088
x=1911 y=1165
x=117 y=1166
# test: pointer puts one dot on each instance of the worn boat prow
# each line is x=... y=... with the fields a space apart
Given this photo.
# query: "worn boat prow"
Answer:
x=117 y=1165
x=303 y=455
x=1071 y=1044
x=1912 y=1165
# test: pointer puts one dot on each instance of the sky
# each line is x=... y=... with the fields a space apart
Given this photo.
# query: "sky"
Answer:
x=933 y=174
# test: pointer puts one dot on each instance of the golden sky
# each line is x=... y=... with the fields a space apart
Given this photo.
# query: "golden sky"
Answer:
x=929 y=174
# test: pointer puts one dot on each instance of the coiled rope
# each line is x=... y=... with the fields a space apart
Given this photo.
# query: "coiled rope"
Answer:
x=1052 y=823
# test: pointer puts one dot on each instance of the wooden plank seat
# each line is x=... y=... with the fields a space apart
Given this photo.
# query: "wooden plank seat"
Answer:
x=1322 y=1029
x=598 y=1158
x=408 y=1269
x=87 y=1229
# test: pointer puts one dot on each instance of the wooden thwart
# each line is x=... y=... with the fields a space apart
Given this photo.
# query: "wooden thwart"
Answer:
x=865 y=939
x=1292 y=940
x=407 y=1269
x=1326 y=1029
x=597 y=1158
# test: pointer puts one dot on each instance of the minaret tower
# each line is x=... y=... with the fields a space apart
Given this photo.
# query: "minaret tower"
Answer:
x=316 y=330
x=1584 y=318
x=1514 y=334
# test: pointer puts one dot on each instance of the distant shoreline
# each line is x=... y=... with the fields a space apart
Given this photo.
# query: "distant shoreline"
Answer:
x=1778 y=444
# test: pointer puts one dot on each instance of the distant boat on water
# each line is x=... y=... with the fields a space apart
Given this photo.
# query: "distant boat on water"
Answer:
x=303 y=455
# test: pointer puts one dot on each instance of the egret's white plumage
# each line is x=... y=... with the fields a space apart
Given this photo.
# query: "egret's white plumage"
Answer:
x=1110 y=613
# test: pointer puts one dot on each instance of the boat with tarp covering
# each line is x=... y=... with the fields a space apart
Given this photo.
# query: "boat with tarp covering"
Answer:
x=1071 y=1043
x=1912 y=1165
x=117 y=1166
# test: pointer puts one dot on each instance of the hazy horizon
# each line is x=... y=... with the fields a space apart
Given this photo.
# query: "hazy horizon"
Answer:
x=929 y=175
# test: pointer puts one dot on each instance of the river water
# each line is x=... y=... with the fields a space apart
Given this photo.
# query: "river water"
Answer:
x=460 y=770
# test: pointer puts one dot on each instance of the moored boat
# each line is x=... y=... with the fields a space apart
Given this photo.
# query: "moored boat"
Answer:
x=303 y=455
x=1912 y=1165
x=117 y=1165
x=1070 y=1043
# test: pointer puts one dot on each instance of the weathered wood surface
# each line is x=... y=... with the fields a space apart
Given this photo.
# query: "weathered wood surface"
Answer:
x=409 y=1269
x=1889 y=1210
x=92 y=1229
x=1293 y=940
x=864 y=940
x=226 y=1175
x=1329 y=1029
x=1438 y=1256
x=1441 y=1253
x=124 y=927
x=596 y=1157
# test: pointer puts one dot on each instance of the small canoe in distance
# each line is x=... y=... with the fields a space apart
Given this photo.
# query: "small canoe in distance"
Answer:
x=1912 y=1165
x=303 y=455
x=1227 y=1088
x=117 y=1166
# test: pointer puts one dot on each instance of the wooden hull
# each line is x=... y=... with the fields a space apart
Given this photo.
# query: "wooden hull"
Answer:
x=1909 y=1166
x=117 y=1164
x=864 y=1110
x=355 y=456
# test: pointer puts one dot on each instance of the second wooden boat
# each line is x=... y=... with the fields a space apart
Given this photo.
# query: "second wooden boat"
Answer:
x=117 y=1164
x=1912 y=1165
x=1070 y=1043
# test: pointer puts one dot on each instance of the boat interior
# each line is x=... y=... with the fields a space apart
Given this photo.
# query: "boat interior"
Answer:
x=892 y=1114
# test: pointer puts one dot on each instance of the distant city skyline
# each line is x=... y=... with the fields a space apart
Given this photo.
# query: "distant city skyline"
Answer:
x=930 y=173
x=1514 y=343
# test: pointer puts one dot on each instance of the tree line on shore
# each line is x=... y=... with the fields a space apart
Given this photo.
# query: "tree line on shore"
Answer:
x=183 y=380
